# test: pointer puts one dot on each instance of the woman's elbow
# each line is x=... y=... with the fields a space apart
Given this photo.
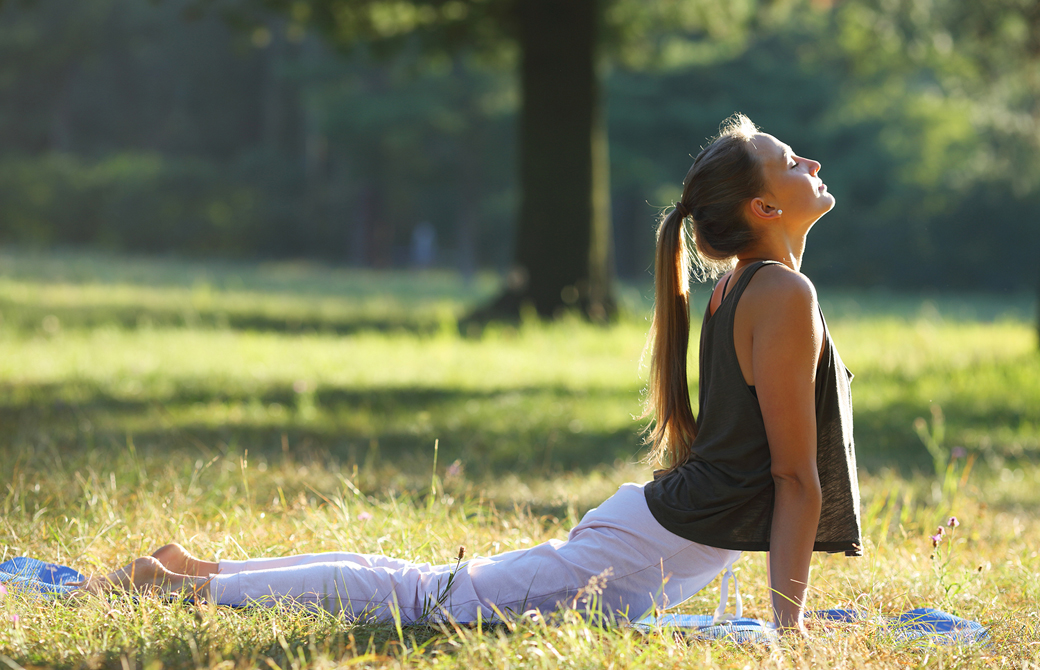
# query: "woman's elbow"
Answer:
x=804 y=485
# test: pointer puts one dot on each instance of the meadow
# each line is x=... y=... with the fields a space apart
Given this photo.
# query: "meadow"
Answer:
x=251 y=410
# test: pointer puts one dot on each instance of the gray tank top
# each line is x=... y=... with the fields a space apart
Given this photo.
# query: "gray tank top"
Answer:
x=723 y=495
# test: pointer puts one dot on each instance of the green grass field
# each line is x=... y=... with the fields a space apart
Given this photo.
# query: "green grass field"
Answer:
x=256 y=410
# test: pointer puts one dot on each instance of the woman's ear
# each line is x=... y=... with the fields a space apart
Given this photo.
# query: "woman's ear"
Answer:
x=761 y=210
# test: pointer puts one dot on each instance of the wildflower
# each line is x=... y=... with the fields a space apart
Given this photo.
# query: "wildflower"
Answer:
x=462 y=552
x=936 y=539
x=364 y=516
x=454 y=470
x=597 y=583
x=959 y=452
x=14 y=618
x=940 y=531
x=3 y=591
x=953 y=522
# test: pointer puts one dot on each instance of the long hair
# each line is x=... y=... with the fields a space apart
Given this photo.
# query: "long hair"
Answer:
x=724 y=176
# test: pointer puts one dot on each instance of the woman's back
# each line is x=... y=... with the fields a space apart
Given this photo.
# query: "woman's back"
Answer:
x=723 y=495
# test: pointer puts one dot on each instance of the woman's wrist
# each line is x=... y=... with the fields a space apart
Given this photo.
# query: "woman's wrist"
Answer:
x=798 y=630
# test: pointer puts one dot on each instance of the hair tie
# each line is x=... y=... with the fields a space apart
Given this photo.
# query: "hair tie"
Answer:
x=681 y=208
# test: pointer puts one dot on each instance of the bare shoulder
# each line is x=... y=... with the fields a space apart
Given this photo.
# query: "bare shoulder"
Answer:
x=778 y=328
x=778 y=288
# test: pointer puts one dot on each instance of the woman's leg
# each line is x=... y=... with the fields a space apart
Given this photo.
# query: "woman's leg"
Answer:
x=354 y=588
x=275 y=563
x=618 y=559
x=637 y=564
x=177 y=559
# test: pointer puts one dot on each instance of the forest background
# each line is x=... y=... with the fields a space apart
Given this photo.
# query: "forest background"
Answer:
x=165 y=128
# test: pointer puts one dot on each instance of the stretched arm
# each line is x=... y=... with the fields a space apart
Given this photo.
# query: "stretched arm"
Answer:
x=786 y=342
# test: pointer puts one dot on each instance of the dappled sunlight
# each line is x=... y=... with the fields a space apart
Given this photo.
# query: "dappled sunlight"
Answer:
x=119 y=435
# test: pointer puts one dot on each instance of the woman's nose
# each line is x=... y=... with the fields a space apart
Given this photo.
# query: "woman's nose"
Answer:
x=814 y=166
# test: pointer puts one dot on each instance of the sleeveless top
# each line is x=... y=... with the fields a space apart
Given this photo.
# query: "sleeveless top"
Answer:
x=722 y=496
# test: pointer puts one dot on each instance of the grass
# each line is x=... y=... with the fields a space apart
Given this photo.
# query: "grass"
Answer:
x=257 y=410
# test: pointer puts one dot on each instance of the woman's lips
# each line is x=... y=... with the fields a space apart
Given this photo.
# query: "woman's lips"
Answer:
x=822 y=187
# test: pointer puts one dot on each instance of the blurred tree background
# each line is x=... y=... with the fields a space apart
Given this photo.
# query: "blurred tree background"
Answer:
x=344 y=133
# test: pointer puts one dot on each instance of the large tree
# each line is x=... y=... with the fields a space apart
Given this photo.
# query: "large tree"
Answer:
x=563 y=246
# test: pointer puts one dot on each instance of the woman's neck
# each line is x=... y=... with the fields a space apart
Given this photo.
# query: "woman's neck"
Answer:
x=778 y=248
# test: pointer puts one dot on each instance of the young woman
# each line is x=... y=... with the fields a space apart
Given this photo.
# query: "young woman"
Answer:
x=769 y=465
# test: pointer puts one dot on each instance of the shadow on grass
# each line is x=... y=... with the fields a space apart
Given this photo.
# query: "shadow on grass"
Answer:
x=31 y=318
x=188 y=636
x=528 y=431
x=491 y=433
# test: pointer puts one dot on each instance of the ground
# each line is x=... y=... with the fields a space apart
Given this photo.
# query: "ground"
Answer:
x=256 y=410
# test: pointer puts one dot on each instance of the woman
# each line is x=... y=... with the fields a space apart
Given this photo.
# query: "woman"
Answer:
x=769 y=466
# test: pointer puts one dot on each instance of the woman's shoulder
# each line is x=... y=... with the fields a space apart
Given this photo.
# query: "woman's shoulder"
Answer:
x=777 y=282
x=780 y=326
x=781 y=305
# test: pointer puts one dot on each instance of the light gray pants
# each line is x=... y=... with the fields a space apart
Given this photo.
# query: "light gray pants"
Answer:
x=638 y=565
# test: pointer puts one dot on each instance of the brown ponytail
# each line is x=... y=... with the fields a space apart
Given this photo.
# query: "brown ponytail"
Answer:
x=724 y=176
x=668 y=396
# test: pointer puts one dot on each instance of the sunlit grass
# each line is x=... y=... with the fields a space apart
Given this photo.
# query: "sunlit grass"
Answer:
x=95 y=512
x=298 y=411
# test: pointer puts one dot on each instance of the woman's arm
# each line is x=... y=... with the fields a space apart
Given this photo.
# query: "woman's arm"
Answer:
x=787 y=335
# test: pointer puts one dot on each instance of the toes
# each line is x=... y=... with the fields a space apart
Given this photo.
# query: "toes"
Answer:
x=89 y=586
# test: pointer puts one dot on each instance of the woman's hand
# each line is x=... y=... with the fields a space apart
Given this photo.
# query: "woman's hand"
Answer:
x=799 y=631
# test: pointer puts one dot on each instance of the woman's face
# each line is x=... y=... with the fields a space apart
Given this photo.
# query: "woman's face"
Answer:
x=792 y=182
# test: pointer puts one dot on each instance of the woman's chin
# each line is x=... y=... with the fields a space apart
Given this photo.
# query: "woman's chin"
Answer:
x=829 y=206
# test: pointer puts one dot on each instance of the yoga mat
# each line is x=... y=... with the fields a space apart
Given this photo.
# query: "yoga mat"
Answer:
x=919 y=623
x=699 y=626
x=922 y=623
x=34 y=575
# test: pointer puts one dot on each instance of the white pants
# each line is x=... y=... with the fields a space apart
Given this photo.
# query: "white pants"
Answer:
x=642 y=566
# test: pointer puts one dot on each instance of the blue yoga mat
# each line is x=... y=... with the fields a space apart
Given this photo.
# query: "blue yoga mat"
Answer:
x=34 y=575
x=922 y=623
x=699 y=626
x=918 y=623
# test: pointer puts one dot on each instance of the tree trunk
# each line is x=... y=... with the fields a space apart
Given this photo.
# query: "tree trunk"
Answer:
x=563 y=251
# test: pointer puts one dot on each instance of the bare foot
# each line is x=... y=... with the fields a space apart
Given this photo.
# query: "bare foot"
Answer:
x=140 y=574
x=176 y=558
x=147 y=575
